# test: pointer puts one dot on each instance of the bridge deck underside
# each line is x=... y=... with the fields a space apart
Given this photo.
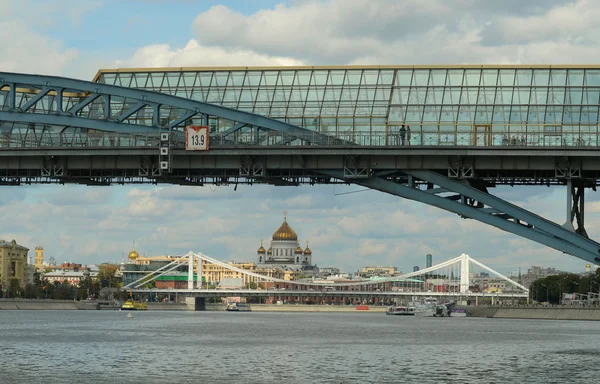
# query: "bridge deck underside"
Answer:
x=260 y=165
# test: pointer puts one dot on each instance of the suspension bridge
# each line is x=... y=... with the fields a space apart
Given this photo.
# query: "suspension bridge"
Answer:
x=462 y=278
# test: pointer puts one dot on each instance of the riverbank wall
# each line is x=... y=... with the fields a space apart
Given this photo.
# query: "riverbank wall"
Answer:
x=536 y=312
x=300 y=308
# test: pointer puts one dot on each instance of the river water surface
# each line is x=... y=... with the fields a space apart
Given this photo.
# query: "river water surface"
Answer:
x=220 y=347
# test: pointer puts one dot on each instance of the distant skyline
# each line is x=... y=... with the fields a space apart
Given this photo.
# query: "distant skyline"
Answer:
x=94 y=224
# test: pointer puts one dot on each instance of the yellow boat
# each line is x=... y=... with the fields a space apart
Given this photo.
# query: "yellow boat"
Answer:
x=131 y=305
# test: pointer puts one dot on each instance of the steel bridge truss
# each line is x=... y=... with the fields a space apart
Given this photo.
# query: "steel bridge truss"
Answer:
x=37 y=103
x=469 y=198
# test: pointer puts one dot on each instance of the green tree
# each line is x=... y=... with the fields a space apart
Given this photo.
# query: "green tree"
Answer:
x=251 y=285
x=14 y=287
x=106 y=275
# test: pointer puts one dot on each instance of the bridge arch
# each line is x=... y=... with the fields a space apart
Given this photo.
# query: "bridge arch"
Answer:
x=64 y=103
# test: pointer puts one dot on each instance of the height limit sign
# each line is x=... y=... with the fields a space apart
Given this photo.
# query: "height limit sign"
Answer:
x=196 y=138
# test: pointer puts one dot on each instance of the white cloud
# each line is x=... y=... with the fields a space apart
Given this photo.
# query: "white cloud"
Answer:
x=97 y=224
x=194 y=54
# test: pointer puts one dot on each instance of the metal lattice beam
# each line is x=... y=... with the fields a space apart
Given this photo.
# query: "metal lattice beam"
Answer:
x=469 y=202
x=43 y=101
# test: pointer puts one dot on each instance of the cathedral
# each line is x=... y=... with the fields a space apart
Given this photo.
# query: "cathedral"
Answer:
x=285 y=252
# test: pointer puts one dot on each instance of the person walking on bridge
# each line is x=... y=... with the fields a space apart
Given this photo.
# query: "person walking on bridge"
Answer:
x=402 y=134
x=407 y=135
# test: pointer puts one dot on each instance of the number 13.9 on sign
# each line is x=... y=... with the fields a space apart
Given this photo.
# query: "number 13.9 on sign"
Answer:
x=196 y=138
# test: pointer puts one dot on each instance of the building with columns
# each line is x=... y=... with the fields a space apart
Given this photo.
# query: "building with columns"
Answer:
x=13 y=262
x=285 y=252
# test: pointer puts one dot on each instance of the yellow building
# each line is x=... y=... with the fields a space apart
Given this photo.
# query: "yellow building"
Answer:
x=13 y=262
x=213 y=273
x=39 y=258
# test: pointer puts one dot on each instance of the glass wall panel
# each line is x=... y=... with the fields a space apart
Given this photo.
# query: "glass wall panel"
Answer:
x=556 y=96
x=571 y=115
x=404 y=77
x=575 y=77
x=286 y=78
x=591 y=96
x=472 y=77
x=554 y=115
x=558 y=77
x=589 y=115
x=504 y=96
x=336 y=78
x=420 y=78
x=451 y=95
x=385 y=77
x=353 y=78
x=397 y=114
x=536 y=114
x=541 y=77
x=437 y=78
x=506 y=78
x=524 y=77
x=449 y=113
x=501 y=114
x=431 y=114
x=319 y=78
x=486 y=95
x=303 y=78
x=592 y=77
x=434 y=96
x=455 y=77
x=483 y=115
x=417 y=96
x=414 y=114
x=573 y=96
x=370 y=77
x=490 y=78
x=539 y=96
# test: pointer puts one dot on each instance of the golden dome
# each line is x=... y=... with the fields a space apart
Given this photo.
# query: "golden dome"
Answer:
x=298 y=250
x=262 y=249
x=307 y=251
x=133 y=255
x=270 y=251
x=285 y=232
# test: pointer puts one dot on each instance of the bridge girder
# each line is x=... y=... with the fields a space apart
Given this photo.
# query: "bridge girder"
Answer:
x=474 y=202
x=71 y=103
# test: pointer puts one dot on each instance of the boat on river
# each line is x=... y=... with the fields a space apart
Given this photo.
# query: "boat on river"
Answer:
x=400 y=310
x=131 y=305
x=428 y=307
x=238 y=307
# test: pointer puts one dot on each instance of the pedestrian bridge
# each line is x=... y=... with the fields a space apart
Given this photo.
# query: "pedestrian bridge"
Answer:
x=471 y=128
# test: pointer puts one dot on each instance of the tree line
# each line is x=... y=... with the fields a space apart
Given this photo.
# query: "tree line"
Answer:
x=41 y=288
x=552 y=288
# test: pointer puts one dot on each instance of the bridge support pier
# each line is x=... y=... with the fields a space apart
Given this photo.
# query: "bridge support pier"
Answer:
x=576 y=207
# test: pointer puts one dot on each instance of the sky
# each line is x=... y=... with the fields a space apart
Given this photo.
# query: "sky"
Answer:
x=91 y=225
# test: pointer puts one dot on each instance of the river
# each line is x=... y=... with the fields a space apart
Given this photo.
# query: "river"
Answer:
x=220 y=347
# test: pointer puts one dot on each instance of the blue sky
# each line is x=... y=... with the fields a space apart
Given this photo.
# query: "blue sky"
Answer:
x=90 y=225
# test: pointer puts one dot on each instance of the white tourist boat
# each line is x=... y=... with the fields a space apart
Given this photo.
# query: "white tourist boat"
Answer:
x=428 y=307
x=400 y=310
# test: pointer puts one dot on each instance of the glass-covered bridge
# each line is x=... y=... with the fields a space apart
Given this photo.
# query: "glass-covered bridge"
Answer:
x=375 y=105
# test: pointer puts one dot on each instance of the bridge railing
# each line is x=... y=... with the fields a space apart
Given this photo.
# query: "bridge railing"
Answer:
x=96 y=139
